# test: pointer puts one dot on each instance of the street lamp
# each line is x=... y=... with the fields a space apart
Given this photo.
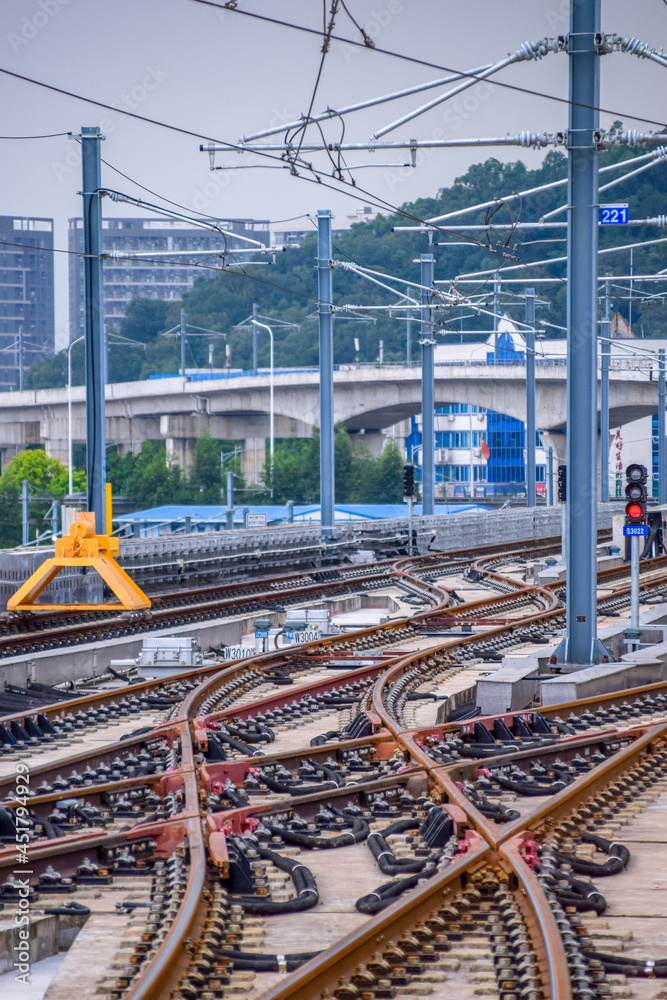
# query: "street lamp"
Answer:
x=69 y=409
x=255 y=322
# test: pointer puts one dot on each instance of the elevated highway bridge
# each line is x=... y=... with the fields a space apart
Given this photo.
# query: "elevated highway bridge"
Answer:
x=367 y=398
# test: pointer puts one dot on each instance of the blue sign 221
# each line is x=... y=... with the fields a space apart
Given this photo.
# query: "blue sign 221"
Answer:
x=614 y=215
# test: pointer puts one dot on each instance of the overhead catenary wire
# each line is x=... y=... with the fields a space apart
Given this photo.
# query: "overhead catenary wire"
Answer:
x=48 y=135
x=560 y=260
x=310 y=167
x=423 y=62
x=325 y=48
x=317 y=178
x=361 y=105
x=611 y=249
x=654 y=154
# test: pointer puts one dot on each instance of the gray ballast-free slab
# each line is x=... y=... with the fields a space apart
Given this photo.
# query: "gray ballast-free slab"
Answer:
x=511 y=687
x=603 y=678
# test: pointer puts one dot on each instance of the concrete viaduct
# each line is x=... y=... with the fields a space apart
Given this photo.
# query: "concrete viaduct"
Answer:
x=367 y=399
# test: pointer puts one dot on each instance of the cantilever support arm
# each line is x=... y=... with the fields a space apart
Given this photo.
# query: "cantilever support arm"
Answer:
x=529 y=50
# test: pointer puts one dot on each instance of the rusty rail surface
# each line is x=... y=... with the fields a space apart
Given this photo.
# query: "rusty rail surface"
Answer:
x=484 y=846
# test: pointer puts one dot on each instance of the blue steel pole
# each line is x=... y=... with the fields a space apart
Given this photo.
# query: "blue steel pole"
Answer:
x=428 y=389
x=584 y=90
x=496 y=290
x=605 y=353
x=96 y=465
x=255 y=334
x=662 y=454
x=325 y=316
x=21 y=358
x=25 y=511
x=408 y=338
x=530 y=397
x=183 y=343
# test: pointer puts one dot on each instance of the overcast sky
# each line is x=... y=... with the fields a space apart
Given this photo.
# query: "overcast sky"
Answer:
x=223 y=75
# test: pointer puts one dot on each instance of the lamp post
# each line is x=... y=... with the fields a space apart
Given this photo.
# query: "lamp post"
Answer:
x=69 y=409
x=256 y=322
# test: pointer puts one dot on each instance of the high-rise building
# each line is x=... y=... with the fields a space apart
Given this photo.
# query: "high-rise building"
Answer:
x=479 y=452
x=124 y=280
x=289 y=234
x=26 y=295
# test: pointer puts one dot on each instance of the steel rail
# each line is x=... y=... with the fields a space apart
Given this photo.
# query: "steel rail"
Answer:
x=177 y=608
x=104 y=697
x=167 y=965
x=325 y=972
x=321 y=975
x=562 y=803
x=542 y=926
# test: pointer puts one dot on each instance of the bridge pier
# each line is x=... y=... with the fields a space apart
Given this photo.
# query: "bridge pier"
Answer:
x=558 y=442
x=253 y=456
x=374 y=440
x=180 y=452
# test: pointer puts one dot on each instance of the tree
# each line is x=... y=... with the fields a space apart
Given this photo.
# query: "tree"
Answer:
x=287 y=476
x=205 y=478
x=144 y=320
x=388 y=484
x=49 y=483
x=152 y=482
x=296 y=471
x=344 y=466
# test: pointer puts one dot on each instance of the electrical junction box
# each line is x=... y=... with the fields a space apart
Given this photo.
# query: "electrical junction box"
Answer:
x=172 y=650
x=362 y=556
x=164 y=655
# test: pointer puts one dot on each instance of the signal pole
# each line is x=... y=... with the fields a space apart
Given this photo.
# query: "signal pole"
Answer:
x=662 y=456
x=325 y=318
x=635 y=528
x=21 y=357
x=409 y=494
x=96 y=461
x=584 y=63
x=25 y=511
x=183 y=343
x=605 y=354
x=255 y=334
x=530 y=397
x=428 y=387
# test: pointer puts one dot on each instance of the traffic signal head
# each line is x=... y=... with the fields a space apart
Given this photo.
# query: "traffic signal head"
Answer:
x=636 y=473
x=636 y=494
x=562 y=483
x=408 y=480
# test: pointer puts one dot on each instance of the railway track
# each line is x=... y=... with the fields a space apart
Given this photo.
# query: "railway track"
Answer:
x=23 y=633
x=323 y=821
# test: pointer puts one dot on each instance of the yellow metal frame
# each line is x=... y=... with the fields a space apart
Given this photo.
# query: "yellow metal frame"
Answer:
x=82 y=547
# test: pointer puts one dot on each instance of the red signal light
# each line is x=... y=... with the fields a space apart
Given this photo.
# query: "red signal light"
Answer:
x=634 y=510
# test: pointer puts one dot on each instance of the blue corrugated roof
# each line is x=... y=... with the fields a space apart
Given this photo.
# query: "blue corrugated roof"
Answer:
x=204 y=512
x=374 y=511
x=278 y=512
